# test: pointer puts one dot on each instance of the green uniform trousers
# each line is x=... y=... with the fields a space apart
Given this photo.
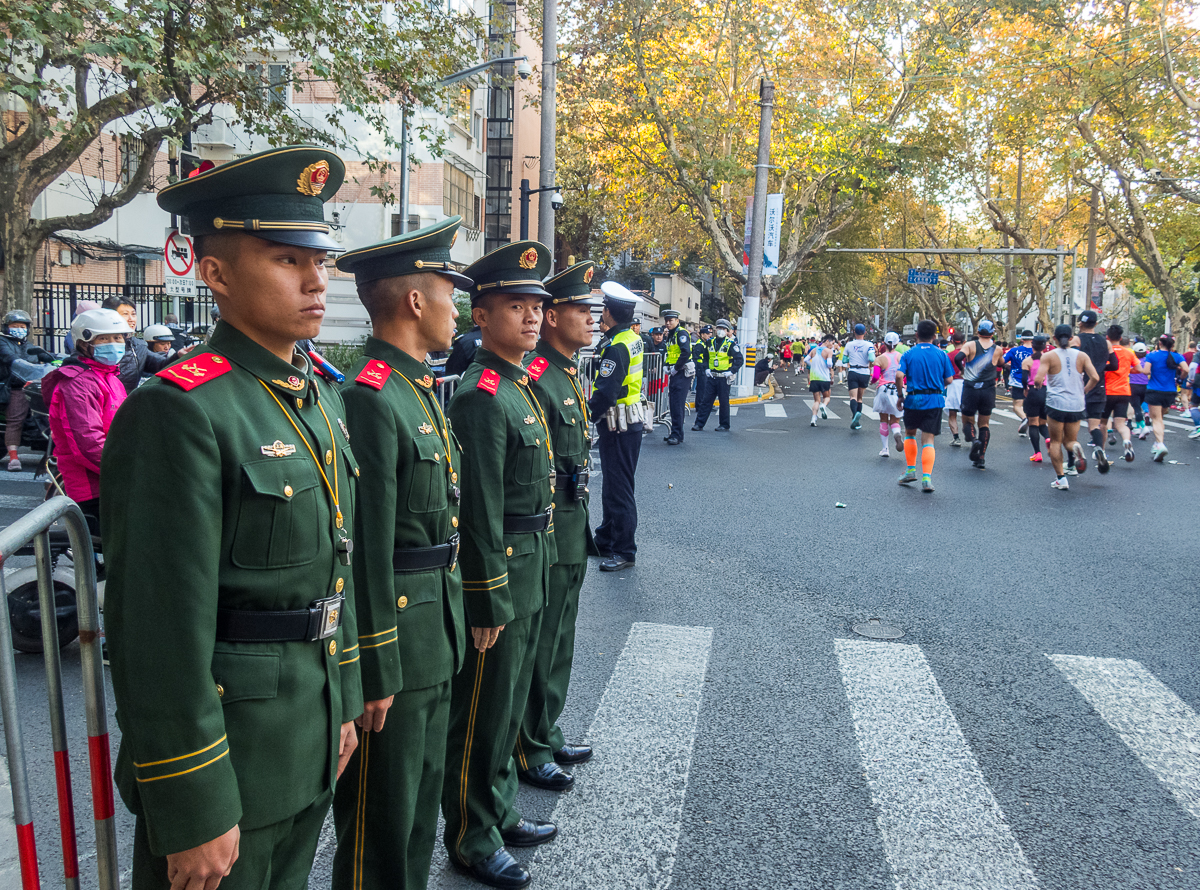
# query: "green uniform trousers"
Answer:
x=274 y=857
x=486 y=708
x=386 y=804
x=540 y=736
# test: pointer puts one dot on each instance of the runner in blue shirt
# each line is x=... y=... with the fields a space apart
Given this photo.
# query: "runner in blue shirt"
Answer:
x=925 y=372
x=1165 y=367
x=1014 y=358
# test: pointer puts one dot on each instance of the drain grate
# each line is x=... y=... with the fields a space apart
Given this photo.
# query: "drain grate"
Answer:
x=877 y=630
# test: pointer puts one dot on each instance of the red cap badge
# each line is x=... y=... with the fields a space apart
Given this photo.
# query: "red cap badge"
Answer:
x=375 y=374
x=489 y=380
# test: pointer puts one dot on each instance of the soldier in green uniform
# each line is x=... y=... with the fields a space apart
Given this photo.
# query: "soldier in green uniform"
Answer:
x=408 y=588
x=236 y=681
x=507 y=550
x=566 y=328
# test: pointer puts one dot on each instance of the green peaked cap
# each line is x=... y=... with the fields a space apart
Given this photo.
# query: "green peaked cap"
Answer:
x=516 y=268
x=425 y=250
x=278 y=195
x=573 y=285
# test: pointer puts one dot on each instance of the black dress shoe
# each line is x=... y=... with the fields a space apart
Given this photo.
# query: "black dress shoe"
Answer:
x=614 y=564
x=498 y=870
x=568 y=754
x=547 y=775
x=529 y=833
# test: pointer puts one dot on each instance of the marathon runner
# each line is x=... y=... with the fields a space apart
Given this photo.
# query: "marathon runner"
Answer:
x=1095 y=346
x=858 y=357
x=1035 y=398
x=819 y=384
x=954 y=391
x=1164 y=366
x=978 y=361
x=1137 y=389
x=1063 y=370
x=887 y=394
x=927 y=372
x=1015 y=359
x=1116 y=386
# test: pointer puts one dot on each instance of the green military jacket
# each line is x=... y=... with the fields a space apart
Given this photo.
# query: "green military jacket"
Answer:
x=554 y=379
x=506 y=472
x=411 y=629
x=212 y=499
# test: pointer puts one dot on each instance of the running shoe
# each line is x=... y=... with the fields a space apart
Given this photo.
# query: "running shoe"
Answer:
x=1194 y=434
x=1101 y=459
x=1128 y=451
x=956 y=442
x=976 y=447
x=1158 y=452
x=1142 y=431
x=1112 y=437
x=1080 y=460
x=898 y=440
x=910 y=475
x=883 y=453
x=1061 y=484
x=14 y=465
x=926 y=484
x=824 y=413
x=978 y=464
x=1070 y=471
x=856 y=423
x=813 y=422
x=1036 y=458
x=1023 y=425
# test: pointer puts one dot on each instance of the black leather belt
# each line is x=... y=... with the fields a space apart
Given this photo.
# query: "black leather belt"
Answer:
x=526 y=525
x=318 y=621
x=423 y=559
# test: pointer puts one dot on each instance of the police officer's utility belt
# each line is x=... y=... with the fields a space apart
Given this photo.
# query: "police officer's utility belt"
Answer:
x=526 y=525
x=424 y=559
x=574 y=483
x=318 y=621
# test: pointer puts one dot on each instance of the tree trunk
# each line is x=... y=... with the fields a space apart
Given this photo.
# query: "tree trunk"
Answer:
x=20 y=263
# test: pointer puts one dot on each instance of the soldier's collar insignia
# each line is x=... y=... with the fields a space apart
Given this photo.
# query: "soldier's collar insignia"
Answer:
x=538 y=367
x=278 y=449
x=313 y=178
x=187 y=375
x=530 y=419
x=572 y=371
x=426 y=381
x=295 y=384
x=568 y=402
x=425 y=428
x=345 y=432
x=524 y=381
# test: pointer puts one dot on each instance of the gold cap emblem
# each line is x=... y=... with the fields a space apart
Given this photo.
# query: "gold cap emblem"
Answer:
x=587 y=276
x=529 y=258
x=313 y=178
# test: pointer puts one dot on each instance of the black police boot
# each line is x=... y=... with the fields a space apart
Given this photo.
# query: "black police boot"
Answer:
x=529 y=833
x=569 y=754
x=550 y=776
x=498 y=870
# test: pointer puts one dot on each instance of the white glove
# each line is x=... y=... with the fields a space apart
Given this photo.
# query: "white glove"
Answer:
x=710 y=373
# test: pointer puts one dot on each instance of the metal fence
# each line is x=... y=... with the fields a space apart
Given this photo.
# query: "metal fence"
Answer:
x=54 y=306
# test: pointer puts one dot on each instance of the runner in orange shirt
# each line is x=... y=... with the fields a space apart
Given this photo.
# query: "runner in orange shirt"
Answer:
x=1116 y=387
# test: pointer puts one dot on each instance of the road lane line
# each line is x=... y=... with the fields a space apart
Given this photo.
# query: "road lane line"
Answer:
x=1005 y=413
x=1155 y=723
x=775 y=410
x=828 y=411
x=620 y=826
x=940 y=822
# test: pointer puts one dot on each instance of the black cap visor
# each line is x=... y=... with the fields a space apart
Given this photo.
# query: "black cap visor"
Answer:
x=299 y=238
x=533 y=290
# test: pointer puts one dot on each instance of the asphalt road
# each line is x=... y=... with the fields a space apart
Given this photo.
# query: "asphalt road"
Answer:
x=786 y=751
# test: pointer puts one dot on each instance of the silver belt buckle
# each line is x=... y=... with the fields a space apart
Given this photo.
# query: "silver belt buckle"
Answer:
x=329 y=616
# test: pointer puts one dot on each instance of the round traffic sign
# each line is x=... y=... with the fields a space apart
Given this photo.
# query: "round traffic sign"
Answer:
x=178 y=254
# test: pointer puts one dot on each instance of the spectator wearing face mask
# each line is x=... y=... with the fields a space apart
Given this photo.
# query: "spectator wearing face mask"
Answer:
x=83 y=396
x=18 y=365
x=138 y=360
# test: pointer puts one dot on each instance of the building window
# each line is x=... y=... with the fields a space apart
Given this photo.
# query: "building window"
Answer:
x=131 y=152
x=458 y=194
x=414 y=223
x=135 y=270
x=497 y=220
x=275 y=80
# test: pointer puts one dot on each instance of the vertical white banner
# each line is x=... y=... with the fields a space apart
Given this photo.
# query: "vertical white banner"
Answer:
x=772 y=236
x=1079 y=291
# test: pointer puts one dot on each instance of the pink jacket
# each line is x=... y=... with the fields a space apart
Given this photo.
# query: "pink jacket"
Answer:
x=83 y=396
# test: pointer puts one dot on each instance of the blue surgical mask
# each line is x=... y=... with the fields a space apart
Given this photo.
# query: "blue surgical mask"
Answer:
x=17 y=333
x=109 y=353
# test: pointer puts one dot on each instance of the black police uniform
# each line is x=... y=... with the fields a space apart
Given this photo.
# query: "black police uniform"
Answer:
x=619 y=451
x=680 y=383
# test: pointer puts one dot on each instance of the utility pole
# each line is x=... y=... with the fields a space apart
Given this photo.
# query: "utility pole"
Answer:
x=1091 y=256
x=1058 y=286
x=758 y=227
x=547 y=160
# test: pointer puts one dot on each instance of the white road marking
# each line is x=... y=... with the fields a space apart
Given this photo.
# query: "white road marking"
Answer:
x=940 y=822
x=733 y=409
x=828 y=411
x=774 y=410
x=19 y=502
x=1008 y=414
x=620 y=826
x=1155 y=723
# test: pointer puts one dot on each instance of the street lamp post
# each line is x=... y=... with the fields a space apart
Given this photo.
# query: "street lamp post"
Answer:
x=523 y=71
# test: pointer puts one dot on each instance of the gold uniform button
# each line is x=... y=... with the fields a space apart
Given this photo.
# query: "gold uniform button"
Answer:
x=537 y=441
x=328 y=457
x=333 y=647
x=402 y=602
x=454 y=477
x=220 y=691
x=340 y=586
x=454 y=521
x=508 y=552
x=287 y=491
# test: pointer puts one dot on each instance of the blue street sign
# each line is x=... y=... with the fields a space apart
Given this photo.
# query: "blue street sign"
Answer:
x=922 y=276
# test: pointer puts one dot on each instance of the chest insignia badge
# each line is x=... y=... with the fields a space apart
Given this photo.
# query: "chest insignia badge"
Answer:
x=425 y=428
x=278 y=449
x=530 y=420
x=345 y=432
x=568 y=402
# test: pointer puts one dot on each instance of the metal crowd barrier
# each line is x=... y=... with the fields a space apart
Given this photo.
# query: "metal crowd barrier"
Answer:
x=34 y=526
x=654 y=380
x=445 y=389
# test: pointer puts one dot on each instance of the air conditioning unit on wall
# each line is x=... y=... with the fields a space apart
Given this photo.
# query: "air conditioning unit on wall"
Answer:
x=218 y=134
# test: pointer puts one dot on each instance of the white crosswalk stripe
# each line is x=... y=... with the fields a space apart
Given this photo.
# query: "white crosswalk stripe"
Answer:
x=1153 y=721
x=940 y=822
x=1004 y=413
x=773 y=410
x=828 y=411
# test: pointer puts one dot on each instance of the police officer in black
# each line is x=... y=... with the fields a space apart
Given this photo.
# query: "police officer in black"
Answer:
x=700 y=358
x=680 y=369
x=616 y=406
x=463 y=352
x=725 y=359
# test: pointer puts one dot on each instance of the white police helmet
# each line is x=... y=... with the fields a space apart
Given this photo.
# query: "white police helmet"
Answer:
x=158 y=333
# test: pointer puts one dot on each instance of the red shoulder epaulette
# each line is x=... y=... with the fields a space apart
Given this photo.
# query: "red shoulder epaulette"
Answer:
x=538 y=367
x=375 y=374
x=489 y=380
x=191 y=372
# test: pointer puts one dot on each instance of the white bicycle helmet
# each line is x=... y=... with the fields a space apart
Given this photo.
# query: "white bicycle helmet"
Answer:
x=89 y=325
x=158 y=333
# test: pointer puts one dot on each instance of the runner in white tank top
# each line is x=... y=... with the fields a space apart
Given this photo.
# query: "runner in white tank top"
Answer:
x=1063 y=372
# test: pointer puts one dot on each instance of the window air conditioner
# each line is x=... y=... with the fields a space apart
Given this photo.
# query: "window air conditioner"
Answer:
x=216 y=134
